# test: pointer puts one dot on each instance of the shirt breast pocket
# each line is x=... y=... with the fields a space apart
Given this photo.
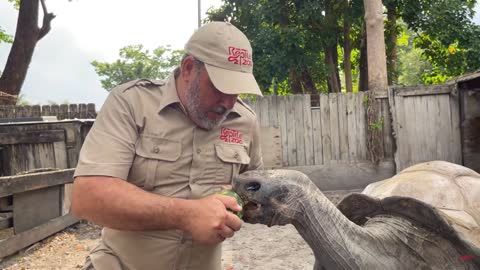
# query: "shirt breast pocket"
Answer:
x=155 y=160
x=231 y=158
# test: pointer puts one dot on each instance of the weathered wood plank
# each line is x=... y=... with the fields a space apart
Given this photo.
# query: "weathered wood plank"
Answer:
x=282 y=120
x=34 y=207
x=455 y=127
x=73 y=111
x=82 y=110
x=351 y=126
x=388 y=141
x=401 y=154
x=46 y=110
x=55 y=110
x=291 y=140
x=63 y=112
x=91 y=112
x=36 y=111
x=272 y=111
x=6 y=220
x=299 y=132
x=42 y=136
x=470 y=115
x=380 y=119
x=343 y=126
x=317 y=136
x=263 y=103
x=325 y=123
x=424 y=90
x=334 y=125
x=10 y=185
x=308 y=130
x=361 y=118
x=22 y=240
x=270 y=139
x=444 y=140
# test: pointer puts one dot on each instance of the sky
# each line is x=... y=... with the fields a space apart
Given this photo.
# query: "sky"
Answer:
x=87 y=30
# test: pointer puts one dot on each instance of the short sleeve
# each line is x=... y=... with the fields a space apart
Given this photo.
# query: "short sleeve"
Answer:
x=109 y=147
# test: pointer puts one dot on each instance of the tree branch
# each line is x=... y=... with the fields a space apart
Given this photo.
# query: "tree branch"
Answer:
x=47 y=19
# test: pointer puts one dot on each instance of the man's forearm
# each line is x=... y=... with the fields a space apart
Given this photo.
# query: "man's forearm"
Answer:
x=117 y=204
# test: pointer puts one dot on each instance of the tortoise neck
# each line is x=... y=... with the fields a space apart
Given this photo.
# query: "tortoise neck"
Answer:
x=333 y=238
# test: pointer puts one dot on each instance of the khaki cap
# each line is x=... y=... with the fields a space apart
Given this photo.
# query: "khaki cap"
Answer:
x=227 y=55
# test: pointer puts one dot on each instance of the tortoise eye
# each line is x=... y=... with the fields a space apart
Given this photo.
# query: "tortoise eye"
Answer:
x=253 y=186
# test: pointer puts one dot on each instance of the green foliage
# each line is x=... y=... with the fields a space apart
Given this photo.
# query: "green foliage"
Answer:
x=288 y=37
x=135 y=63
x=4 y=37
x=376 y=125
x=445 y=33
x=411 y=64
x=16 y=3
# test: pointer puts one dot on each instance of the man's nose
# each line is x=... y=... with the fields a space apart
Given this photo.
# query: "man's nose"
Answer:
x=228 y=101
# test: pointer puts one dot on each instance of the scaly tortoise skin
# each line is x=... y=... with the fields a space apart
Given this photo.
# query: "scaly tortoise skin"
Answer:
x=425 y=217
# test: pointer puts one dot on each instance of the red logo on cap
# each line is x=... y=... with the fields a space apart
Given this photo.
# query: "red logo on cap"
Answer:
x=239 y=56
x=231 y=136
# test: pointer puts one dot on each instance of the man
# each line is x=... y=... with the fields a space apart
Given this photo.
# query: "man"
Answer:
x=157 y=153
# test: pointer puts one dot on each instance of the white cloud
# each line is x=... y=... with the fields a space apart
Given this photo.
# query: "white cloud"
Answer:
x=87 y=30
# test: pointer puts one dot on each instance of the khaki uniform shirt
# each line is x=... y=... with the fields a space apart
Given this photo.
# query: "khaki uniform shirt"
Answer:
x=143 y=135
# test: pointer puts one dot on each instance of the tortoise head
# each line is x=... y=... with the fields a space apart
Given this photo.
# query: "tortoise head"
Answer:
x=272 y=197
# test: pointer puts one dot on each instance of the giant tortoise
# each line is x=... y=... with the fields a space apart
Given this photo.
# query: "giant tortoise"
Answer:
x=425 y=217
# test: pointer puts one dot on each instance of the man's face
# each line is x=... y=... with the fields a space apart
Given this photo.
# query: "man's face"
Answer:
x=207 y=106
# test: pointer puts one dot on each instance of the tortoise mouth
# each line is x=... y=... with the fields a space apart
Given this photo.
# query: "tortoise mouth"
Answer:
x=251 y=206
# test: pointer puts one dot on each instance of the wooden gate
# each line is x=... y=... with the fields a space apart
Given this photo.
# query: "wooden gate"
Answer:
x=426 y=124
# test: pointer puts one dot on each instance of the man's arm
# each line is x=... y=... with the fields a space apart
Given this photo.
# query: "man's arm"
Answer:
x=117 y=204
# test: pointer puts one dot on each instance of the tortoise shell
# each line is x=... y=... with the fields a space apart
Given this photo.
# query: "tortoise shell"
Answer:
x=442 y=196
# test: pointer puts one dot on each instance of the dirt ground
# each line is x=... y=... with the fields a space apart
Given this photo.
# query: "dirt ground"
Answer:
x=253 y=247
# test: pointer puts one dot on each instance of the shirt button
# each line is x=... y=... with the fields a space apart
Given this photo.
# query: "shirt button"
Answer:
x=236 y=156
x=199 y=151
x=156 y=150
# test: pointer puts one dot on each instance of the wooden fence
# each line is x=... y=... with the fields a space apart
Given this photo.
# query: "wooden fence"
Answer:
x=64 y=111
x=426 y=121
x=335 y=130
x=34 y=211
x=33 y=204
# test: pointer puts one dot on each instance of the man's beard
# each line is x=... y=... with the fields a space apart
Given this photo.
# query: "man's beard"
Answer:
x=194 y=111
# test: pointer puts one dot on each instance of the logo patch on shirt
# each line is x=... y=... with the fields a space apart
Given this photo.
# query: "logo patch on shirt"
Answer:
x=231 y=136
x=239 y=56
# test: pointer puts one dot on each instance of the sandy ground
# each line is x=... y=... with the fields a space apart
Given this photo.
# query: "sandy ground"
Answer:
x=253 y=247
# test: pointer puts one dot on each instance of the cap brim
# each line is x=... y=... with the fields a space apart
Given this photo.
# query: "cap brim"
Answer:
x=233 y=82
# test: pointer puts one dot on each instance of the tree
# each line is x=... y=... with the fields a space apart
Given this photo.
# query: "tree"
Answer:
x=443 y=30
x=27 y=35
x=377 y=63
x=135 y=63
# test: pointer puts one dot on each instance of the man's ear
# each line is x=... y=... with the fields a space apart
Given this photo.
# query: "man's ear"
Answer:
x=187 y=68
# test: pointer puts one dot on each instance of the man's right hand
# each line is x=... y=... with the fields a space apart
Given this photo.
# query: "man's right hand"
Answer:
x=208 y=220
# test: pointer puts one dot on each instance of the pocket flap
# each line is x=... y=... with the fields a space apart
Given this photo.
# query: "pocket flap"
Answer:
x=158 y=148
x=232 y=153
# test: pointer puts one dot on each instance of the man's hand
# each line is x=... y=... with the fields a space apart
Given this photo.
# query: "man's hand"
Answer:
x=208 y=220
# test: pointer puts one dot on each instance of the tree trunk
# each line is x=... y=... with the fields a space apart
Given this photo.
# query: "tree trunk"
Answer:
x=308 y=83
x=392 y=44
x=26 y=37
x=331 y=61
x=295 y=82
x=347 y=49
x=377 y=63
x=363 y=81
